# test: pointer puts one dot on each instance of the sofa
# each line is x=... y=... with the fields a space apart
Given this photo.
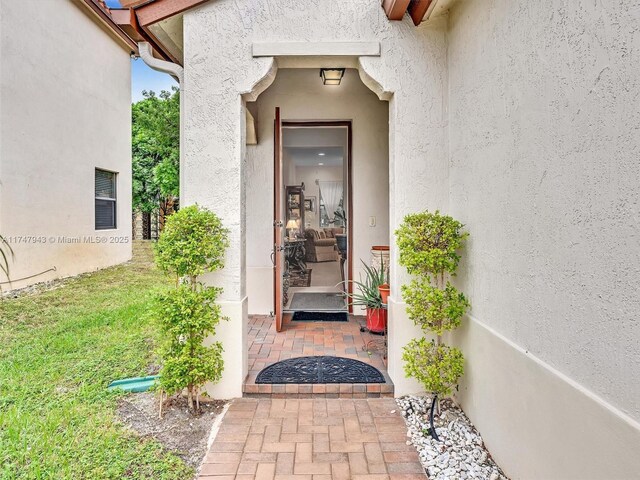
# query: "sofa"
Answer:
x=319 y=247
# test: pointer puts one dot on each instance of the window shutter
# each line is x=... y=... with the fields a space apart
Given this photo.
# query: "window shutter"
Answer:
x=105 y=184
x=105 y=200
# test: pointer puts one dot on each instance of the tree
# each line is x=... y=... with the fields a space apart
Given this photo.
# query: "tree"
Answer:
x=156 y=149
x=429 y=244
x=193 y=242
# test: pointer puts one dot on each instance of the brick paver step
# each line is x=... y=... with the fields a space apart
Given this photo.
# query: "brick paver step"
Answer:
x=313 y=439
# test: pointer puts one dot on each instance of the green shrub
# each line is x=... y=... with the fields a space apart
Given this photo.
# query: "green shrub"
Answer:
x=186 y=318
x=192 y=243
x=436 y=367
x=429 y=245
x=429 y=242
x=432 y=308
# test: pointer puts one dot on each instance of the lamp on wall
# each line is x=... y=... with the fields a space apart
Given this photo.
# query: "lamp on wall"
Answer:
x=292 y=225
x=331 y=76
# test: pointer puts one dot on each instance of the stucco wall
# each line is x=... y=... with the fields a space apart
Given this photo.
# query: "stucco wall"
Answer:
x=544 y=171
x=219 y=68
x=301 y=96
x=65 y=100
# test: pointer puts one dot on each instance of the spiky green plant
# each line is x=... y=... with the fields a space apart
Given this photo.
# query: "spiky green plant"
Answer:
x=6 y=253
x=368 y=294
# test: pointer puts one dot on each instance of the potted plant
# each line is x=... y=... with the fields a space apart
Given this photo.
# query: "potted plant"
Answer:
x=428 y=244
x=368 y=296
x=384 y=288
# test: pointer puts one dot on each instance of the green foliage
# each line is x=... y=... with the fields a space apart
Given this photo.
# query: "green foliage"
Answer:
x=156 y=149
x=368 y=294
x=428 y=243
x=6 y=252
x=186 y=317
x=437 y=367
x=432 y=308
x=193 y=241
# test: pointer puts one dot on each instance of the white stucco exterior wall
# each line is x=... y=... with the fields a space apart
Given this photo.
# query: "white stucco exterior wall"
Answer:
x=301 y=96
x=219 y=68
x=65 y=109
x=517 y=118
x=544 y=171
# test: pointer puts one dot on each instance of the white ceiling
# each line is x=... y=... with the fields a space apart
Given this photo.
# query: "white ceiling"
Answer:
x=310 y=156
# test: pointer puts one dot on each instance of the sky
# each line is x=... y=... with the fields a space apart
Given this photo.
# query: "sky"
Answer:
x=143 y=77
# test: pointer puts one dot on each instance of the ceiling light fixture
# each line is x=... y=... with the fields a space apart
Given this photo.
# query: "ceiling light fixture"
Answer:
x=331 y=76
x=320 y=163
x=322 y=154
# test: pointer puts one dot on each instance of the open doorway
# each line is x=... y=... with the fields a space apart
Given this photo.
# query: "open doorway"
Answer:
x=316 y=176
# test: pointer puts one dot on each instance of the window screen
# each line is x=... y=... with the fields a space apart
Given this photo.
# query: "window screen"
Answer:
x=105 y=199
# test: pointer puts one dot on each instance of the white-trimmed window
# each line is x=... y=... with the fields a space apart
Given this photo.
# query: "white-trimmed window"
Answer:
x=105 y=199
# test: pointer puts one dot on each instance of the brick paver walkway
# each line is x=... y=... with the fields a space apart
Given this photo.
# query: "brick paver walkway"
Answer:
x=312 y=439
x=299 y=339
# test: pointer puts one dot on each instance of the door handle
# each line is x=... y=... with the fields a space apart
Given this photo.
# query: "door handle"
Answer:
x=276 y=249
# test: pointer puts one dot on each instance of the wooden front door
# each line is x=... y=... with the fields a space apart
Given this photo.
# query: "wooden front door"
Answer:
x=278 y=221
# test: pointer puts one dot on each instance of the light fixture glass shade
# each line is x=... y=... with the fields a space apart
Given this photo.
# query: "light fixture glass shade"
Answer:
x=331 y=76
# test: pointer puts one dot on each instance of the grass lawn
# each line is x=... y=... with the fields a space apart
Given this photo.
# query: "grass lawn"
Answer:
x=58 y=351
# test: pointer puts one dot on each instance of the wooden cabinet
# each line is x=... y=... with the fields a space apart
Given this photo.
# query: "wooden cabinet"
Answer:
x=294 y=208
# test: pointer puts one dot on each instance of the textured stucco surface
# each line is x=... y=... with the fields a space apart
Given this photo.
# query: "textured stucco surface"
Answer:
x=65 y=109
x=520 y=119
x=219 y=68
x=544 y=148
x=218 y=40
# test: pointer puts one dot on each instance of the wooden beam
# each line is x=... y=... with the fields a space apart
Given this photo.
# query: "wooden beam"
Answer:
x=108 y=22
x=131 y=3
x=395 y=9
x=418 y=9
x=156 y=11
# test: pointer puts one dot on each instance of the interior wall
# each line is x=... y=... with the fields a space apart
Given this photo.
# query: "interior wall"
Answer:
x=301 y=95
x=543 y=149
x=65 y=109
x=309 y=175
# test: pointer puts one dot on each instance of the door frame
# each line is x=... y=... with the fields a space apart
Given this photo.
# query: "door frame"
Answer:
x=349 y=126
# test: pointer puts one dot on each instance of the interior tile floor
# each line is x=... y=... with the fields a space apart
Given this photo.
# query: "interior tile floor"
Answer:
x=325 y=277
x=301 y=339
x=312 y=439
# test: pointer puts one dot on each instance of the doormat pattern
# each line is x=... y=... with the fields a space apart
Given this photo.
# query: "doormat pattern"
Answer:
x=323 y=369
x=318 y=301
x=300 y=279
x=320 y=316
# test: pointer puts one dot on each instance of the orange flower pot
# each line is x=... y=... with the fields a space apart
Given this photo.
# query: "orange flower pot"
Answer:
x=384 y=290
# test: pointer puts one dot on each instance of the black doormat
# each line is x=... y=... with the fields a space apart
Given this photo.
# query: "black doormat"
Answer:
x=320 y=316
x=320 y=370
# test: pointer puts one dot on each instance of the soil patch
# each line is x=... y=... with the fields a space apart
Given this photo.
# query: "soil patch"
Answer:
x=179 y=431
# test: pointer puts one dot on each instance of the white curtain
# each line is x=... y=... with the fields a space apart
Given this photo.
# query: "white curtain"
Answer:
x=331 y=193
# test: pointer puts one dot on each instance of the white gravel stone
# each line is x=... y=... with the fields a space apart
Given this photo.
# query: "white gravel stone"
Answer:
x=460 y=453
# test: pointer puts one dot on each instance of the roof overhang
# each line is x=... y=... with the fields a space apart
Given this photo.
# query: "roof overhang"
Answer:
x=158 y=22
x=418 y=10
